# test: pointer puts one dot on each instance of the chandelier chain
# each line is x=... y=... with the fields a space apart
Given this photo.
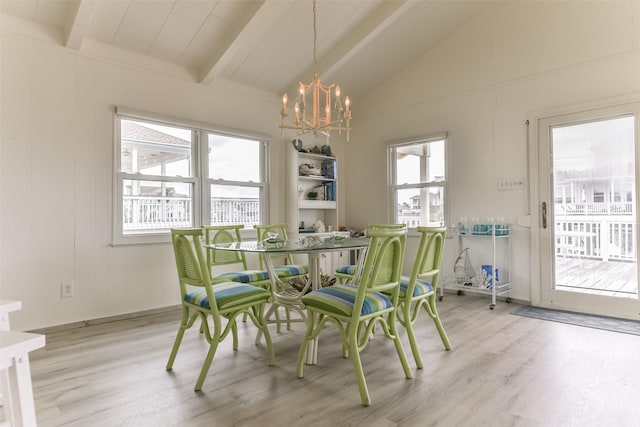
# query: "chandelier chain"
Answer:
x=315 y=67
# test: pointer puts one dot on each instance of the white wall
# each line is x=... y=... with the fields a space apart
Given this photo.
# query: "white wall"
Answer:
x=56 y=177
x=481 y=85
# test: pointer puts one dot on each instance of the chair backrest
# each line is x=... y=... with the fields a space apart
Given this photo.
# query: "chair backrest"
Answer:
x=358 y=267
x=191 y=262
x=388 y=226
x=383 y=263
x=281 y=231
x=217 y=234
x=428 y=257
x=384 y=226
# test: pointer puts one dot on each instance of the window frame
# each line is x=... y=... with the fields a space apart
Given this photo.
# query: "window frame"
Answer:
x=199 y=178
x=394 y=187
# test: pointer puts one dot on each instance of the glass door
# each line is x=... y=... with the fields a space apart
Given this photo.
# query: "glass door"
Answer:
x=589 y=235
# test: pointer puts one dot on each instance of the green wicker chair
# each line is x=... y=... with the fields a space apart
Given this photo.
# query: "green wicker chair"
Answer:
x=419 y=290
x=202 y=299
x=219 y=234
x=357 y=308
x=345 y=273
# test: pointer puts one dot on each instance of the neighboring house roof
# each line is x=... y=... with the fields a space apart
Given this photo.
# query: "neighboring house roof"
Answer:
x=134 y=131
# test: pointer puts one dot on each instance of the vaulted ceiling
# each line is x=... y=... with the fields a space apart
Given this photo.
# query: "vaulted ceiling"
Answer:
x=263 y=44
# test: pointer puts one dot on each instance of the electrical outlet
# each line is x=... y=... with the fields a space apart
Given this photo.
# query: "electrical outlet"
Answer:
x=507 y=184
x=66 y=289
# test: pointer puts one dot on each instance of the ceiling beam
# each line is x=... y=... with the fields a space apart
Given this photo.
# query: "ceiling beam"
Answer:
x=376 y=22
x=77 y=22
x=379 y=20
x=248 y=29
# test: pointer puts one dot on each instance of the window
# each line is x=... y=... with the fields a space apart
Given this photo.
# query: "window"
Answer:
x=166 y=171
x=234 y=180
x=418 y=181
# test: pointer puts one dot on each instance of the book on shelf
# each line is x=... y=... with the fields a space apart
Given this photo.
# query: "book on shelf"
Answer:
x=328 y=168
x=326 y=191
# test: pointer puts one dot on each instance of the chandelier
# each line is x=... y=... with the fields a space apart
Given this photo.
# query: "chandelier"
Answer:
x=319 y=117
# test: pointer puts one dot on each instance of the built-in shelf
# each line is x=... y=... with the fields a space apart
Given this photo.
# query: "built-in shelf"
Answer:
x=300 y=207
x=304 y=212
x=317 y=204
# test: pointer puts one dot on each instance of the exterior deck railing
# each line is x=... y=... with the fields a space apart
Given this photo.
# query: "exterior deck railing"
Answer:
x=156 y=213
x=595 y=208
x=235 y=211
x=605 y=238
x=161 y=213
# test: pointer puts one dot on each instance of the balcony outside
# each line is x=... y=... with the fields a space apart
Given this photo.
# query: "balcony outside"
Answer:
x=595 y=230
x=161 y=179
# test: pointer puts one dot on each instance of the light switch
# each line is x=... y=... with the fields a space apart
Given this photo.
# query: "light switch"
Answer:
x=508 y=184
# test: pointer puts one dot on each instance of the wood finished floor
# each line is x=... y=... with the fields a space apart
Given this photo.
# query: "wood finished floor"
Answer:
x=504 y=370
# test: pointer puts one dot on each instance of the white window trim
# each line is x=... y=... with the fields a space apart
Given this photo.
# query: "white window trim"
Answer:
x=200 y=210
x=391 y=174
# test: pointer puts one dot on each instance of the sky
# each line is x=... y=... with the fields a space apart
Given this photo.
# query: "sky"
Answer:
x=603 y=143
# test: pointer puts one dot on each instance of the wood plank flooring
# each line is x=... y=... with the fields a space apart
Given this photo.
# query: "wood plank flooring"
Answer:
x=504 y=370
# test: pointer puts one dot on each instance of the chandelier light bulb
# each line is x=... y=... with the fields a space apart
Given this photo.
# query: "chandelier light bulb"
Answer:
x=283 y=113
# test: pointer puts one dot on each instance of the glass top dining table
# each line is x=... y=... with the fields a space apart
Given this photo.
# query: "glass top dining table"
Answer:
x=311 y=245
x=304 y=245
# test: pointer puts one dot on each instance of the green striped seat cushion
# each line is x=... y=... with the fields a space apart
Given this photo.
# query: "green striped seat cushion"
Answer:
x=246 y=276
x=291 y=270
x=422 y=287
x=339 y=299
x=228 y=294
x=346 y=269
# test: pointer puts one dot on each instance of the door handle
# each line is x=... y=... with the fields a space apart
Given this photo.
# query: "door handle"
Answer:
x=544 y=214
